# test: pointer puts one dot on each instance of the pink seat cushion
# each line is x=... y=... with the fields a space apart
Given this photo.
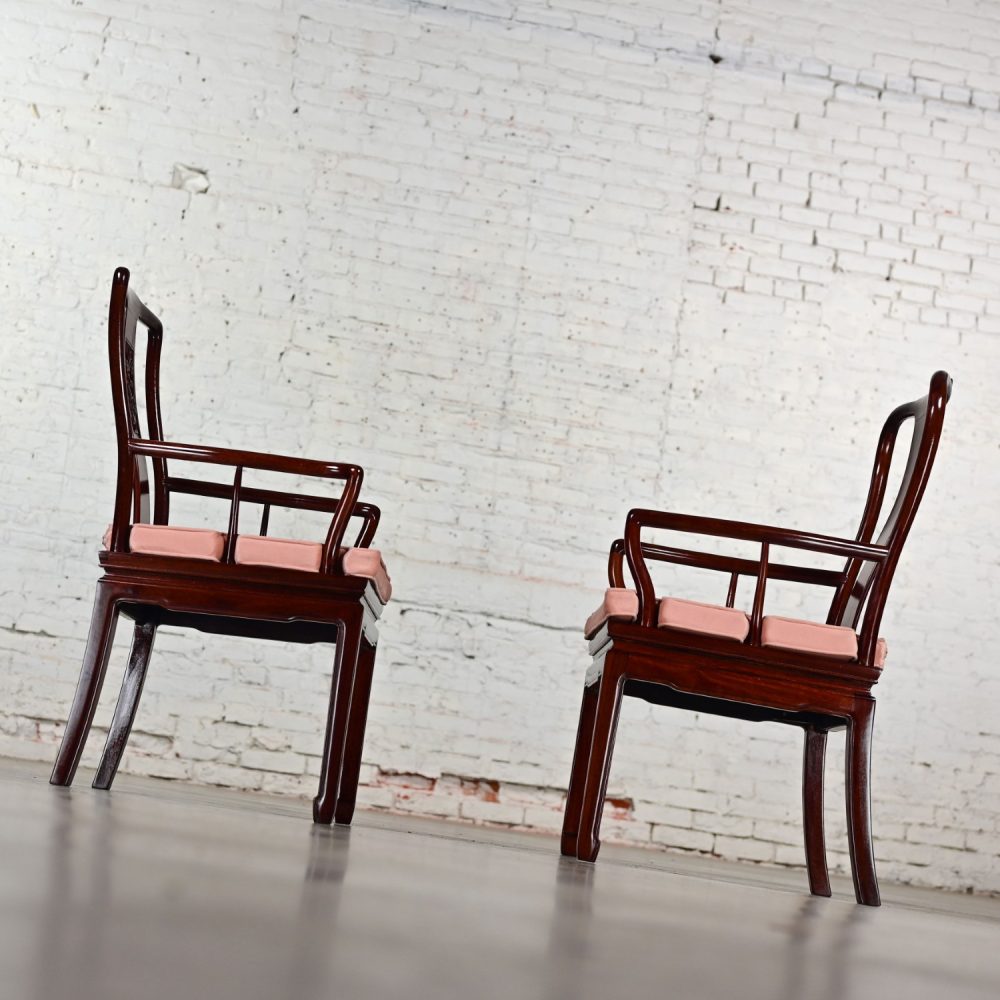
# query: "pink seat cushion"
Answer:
x=687 y=616
x=369 y=563
x=618 y=602
x=837 y=641
x=289 y=553
x=281 y=553
x=169 y=540
x=706 y=619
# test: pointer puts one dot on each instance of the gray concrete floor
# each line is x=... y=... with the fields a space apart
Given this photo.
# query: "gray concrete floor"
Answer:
x=166 y=890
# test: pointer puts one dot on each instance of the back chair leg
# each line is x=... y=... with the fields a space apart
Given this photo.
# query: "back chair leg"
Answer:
x=813 y=760
x=128 y=703
x=360 y=695
x=88 y=689
x=578 y=775
x=609 y=700
x=345 y=663
x=859 y=747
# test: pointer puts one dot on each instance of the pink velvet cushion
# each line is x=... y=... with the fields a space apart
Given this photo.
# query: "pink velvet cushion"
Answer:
x=687 y=616
x=281 y=553
x=706 y=619
x=837 y=641
x=289 y=553
x=369 y=563
x=170 y=540
x=618 y=602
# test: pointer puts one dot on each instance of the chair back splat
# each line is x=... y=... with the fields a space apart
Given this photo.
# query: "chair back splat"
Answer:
x=157 y=573
x=747 y=664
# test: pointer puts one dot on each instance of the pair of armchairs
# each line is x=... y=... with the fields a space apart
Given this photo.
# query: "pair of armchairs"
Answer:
x=702 y=657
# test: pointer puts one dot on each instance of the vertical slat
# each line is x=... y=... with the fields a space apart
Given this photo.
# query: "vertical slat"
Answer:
x=757 y=615
x=264 y=517
x=734 y=579
x=234 y=517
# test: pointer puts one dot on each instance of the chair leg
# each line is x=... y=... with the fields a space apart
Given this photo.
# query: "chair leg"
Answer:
x=128 y=703
x=360 y=695
x=344 y=665
x=88 y=689
x=813 y=760
x=578 y=774
x=609 y=700
x=859 y=747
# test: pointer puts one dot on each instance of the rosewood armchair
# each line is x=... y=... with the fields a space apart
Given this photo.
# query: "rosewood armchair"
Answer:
x=720 y=660
x=157 y=573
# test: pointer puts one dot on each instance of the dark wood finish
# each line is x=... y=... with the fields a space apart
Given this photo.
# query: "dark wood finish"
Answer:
x=223 y=597
x=747 y=680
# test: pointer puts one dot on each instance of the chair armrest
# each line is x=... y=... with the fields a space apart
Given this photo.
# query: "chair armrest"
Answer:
x=344 y=507
x=767 y=535
x=246 y=459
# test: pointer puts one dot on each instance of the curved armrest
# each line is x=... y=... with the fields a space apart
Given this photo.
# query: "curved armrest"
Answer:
x=766 y=535
x=245 y=459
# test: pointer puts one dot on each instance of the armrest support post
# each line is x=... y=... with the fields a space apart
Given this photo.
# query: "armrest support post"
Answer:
x=229 y=553
x=757 y=612
x=638 y=568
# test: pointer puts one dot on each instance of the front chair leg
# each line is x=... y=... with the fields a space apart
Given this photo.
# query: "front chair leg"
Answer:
x=128 y=703
x=360 y=695
x=88 y=689
x=609 y=699
x=858 y=789
x=345 y=662
x=813 y=759
x=578 y=774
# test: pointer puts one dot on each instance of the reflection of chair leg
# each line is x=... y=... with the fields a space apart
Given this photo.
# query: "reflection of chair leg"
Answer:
x=348 y=792
x=578 y=774
x=128 y=702
x=813 y=759
x=609 y=699
x=88 y=688
x=859 y=834
x=345 y=662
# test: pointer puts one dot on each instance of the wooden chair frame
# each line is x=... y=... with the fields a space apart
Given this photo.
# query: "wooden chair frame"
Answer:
x=747 y=680
x=220 y=597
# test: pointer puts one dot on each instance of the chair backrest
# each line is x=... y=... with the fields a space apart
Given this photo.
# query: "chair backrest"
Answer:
x=866 y=584
x=125 y=314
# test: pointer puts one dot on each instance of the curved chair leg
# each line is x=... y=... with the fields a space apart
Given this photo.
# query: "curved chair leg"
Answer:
x=813 y=760
x=578 y=774
x=609 y=700
x=360 y=695
x=88 y=689
x=344 y=664
x=128 y=702
x=859 y=747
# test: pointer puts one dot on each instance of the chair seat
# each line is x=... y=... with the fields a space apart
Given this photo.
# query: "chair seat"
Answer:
x=254 y=550
x=674 y=612
x=836 y=641
x=289 y=553
x=170 y=540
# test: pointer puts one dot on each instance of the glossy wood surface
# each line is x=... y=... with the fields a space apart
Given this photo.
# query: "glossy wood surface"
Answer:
x=748 y=680
x=224 y=597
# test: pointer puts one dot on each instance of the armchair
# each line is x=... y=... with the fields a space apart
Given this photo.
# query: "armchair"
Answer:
x=721 y=660
x=157 y=573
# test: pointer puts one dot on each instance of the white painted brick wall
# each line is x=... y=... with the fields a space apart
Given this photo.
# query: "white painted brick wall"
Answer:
x=530 y=264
